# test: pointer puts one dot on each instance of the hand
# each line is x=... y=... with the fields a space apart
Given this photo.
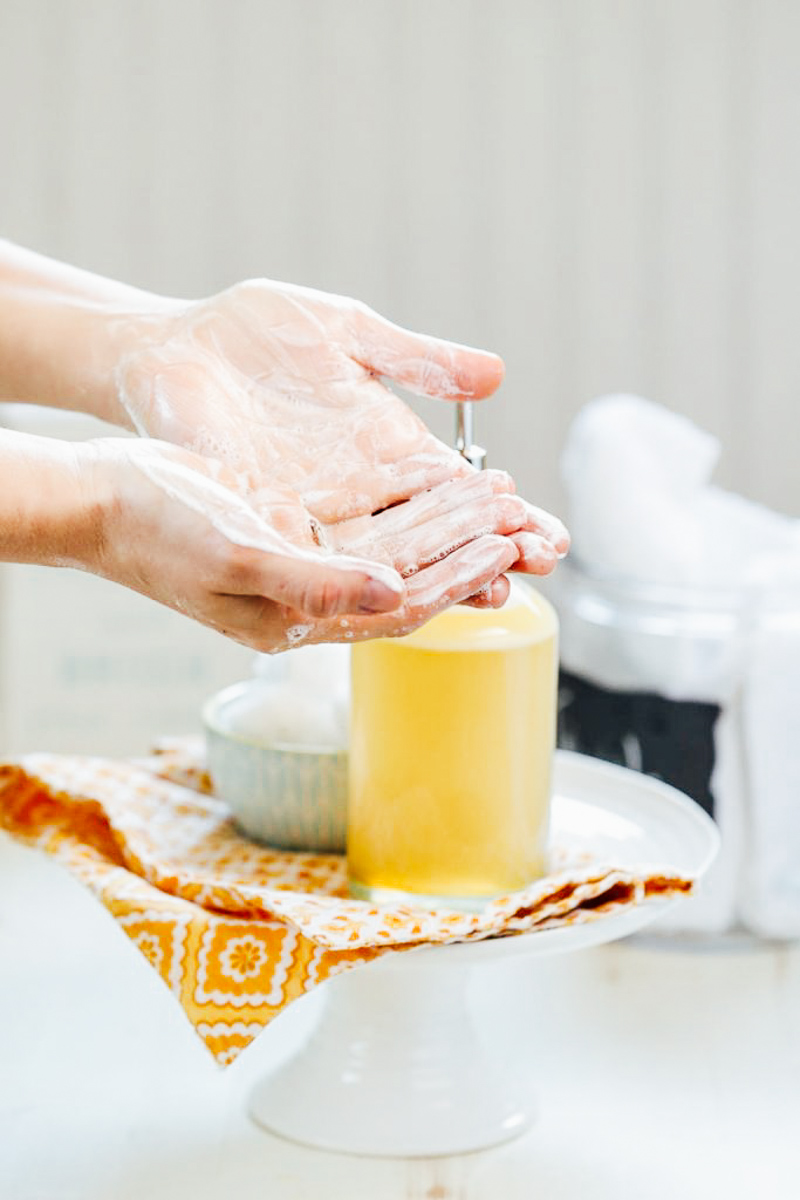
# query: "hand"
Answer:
x=430 y=525
x=282 y=384
x=177 y=527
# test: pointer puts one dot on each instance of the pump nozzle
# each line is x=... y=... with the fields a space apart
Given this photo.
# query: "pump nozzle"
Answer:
x=464 y=435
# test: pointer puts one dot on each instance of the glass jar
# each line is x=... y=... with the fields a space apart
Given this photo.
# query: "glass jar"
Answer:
x=682 y=683
x=452 y=738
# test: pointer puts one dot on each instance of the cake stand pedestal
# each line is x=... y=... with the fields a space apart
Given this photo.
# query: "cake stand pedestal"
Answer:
x=394 y=1065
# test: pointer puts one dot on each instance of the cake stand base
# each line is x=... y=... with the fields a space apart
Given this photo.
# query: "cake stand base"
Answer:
x=394 y=1066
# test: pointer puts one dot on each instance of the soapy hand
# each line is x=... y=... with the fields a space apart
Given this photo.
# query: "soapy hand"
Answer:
x=282 y=384
x=431 y=525
x=258 y=566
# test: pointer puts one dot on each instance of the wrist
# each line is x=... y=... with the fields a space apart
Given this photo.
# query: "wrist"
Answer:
x=64 y=350
x=51 y=513
x=111 y=337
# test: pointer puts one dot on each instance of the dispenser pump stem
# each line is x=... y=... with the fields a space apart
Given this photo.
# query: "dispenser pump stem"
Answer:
x=464 y=435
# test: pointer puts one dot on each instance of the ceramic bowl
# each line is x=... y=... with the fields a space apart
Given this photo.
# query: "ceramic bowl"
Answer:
x=294 y=798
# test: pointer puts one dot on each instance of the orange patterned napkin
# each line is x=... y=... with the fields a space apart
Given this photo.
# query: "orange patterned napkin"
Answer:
x=236 y=930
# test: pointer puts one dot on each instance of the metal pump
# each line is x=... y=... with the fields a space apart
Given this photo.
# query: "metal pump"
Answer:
x=464 y=435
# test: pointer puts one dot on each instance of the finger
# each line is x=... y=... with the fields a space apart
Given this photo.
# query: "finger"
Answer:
x=425 y=365
x=363 y=490
x=394 y=482
x=323 y=589
x=460 y=575
x=431 y=591
x=263 y=625
x=439 y=536
x=493 y=596
x=537 y=556
x=451 y=495
x=549 y=527
x=253 y=558
x=474 y=570
x=314 y=585
x=433 y=524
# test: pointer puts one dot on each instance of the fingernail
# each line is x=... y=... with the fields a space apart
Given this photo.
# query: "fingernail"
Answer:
x=377 y=597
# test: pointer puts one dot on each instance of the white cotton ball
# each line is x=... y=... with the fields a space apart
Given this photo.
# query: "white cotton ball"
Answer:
x=641 y=504
x=628 y=433
x=738 y=534
x=288 y=716
x=326 y=668
x=633 y=471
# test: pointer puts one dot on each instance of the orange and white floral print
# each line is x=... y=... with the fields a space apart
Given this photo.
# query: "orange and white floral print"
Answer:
x=245 y=963
x=236 y=930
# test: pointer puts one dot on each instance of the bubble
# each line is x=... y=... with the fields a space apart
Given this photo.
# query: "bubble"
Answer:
x=297 y=633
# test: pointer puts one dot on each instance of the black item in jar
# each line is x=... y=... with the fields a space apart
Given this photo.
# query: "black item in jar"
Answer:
x=672 y=740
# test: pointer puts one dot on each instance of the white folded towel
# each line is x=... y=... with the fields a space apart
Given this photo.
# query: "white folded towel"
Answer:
x=643 y=511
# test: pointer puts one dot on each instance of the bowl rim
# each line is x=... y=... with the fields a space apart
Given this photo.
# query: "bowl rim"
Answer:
x=213 y=705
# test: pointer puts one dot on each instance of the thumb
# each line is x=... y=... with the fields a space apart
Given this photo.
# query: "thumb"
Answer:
x=328 y=587
x=260 y=561
x=425 y=365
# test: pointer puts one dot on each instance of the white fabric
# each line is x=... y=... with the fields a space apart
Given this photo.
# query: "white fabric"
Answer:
x=642 y=507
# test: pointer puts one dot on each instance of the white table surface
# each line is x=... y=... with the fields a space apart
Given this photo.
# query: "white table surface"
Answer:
x=663 y=1073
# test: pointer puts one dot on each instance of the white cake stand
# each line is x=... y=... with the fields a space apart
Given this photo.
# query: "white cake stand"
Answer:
x=394 y=1066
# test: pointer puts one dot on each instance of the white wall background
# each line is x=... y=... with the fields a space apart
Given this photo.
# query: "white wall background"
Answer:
x=604 y=191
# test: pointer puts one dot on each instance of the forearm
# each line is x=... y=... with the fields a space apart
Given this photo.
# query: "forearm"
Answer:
x=63 y=332
x=47 y=511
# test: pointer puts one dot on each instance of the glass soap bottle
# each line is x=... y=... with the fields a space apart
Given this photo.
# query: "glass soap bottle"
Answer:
x=452 y=738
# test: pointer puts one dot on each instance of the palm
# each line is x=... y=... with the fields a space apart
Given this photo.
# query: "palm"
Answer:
x=282 y=384
x=252 y=566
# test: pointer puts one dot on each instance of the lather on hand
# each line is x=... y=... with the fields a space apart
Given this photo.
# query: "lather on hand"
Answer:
x=178 y=528
x=283 y=383
x=274 y=394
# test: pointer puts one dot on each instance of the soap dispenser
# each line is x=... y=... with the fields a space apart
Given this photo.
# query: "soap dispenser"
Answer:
x=451 y=746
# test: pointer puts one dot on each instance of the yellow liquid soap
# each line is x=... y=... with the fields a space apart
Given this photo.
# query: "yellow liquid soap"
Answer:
x=452 y=738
